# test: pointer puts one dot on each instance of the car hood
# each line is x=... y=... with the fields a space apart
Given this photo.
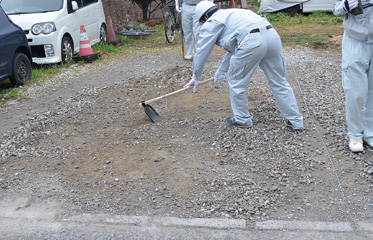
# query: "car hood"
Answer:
x=25 y=21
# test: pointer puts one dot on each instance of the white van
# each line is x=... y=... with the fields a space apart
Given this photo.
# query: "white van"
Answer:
x=295 y=6
x=317 y=5
x=52 y=27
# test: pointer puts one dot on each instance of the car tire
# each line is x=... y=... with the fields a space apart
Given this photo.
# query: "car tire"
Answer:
x=21 y=71
x=292 y=10
x=67 y=49
x=103 y=33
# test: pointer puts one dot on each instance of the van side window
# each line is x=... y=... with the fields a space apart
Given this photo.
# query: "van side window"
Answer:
x=69 y=6
x=80 y=3
x=87 y=2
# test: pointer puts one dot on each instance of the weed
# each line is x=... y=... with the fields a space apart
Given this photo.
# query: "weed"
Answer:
x=311 y=30
x=255 y=3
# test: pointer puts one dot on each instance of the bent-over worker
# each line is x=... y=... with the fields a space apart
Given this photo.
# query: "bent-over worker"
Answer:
x=250 y=41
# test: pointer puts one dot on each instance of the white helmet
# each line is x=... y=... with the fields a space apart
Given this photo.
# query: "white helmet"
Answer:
x=202 y=7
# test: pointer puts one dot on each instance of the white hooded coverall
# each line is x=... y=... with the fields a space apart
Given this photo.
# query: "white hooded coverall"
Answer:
x=357 y=70
x=230 y=29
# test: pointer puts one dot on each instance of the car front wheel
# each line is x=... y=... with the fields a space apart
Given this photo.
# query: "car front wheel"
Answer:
x=67 y=49
x=21 y=71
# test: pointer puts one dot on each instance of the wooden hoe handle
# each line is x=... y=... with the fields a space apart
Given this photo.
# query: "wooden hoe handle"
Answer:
x=173 y=93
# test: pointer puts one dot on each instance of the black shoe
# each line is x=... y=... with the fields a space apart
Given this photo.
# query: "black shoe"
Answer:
x=370 y=144
x=288 y=124
x=232 y=122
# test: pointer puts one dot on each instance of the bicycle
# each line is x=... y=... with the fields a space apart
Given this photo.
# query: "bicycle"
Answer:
x=172 y=23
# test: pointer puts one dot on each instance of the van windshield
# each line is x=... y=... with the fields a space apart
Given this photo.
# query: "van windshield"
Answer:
x=30 y=6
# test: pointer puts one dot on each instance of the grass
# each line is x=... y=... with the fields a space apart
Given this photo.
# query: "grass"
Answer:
x=312 y=30
x=315 y=29
x=40 y=73
x=8 y=91
x=255 y=3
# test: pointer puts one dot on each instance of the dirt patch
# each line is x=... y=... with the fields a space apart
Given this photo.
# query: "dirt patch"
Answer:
x=154 y=22
x=336 y=40
x=319 y=45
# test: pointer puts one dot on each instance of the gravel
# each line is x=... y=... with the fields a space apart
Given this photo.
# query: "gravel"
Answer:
x=82 y=139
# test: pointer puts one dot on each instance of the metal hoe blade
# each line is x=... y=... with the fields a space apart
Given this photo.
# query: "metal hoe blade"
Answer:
x=149 y=110
x=152 y=114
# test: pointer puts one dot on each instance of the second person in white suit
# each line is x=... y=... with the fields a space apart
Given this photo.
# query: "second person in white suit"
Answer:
x=190 y=25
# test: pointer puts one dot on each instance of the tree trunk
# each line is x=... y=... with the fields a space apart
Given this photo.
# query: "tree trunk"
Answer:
x=145 y=13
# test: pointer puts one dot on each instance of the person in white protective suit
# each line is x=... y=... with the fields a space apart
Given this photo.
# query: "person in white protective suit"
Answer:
x=190 y=25
x=357 y=70
x=250 y=41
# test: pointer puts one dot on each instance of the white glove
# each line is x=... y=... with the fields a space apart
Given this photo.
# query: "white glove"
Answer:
x=350 y=4
x=178 y=9
x=194 y=83
x=219 y=75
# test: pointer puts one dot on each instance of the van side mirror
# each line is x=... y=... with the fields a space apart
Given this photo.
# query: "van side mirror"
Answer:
x=74 y=5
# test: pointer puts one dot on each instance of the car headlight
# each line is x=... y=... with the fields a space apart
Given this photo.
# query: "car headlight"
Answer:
x=44 y=28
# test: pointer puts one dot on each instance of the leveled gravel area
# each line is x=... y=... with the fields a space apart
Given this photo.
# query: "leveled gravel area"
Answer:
x=80 y=143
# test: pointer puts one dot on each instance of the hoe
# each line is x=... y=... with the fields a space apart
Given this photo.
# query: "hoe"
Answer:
x=149 y=110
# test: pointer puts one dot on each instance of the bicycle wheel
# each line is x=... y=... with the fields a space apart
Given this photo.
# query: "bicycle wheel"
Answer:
x=169 y=27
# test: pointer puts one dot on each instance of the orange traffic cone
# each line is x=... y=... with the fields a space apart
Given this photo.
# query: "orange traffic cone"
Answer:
x=111 y=38
x=85 y=44
x=86 y=52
